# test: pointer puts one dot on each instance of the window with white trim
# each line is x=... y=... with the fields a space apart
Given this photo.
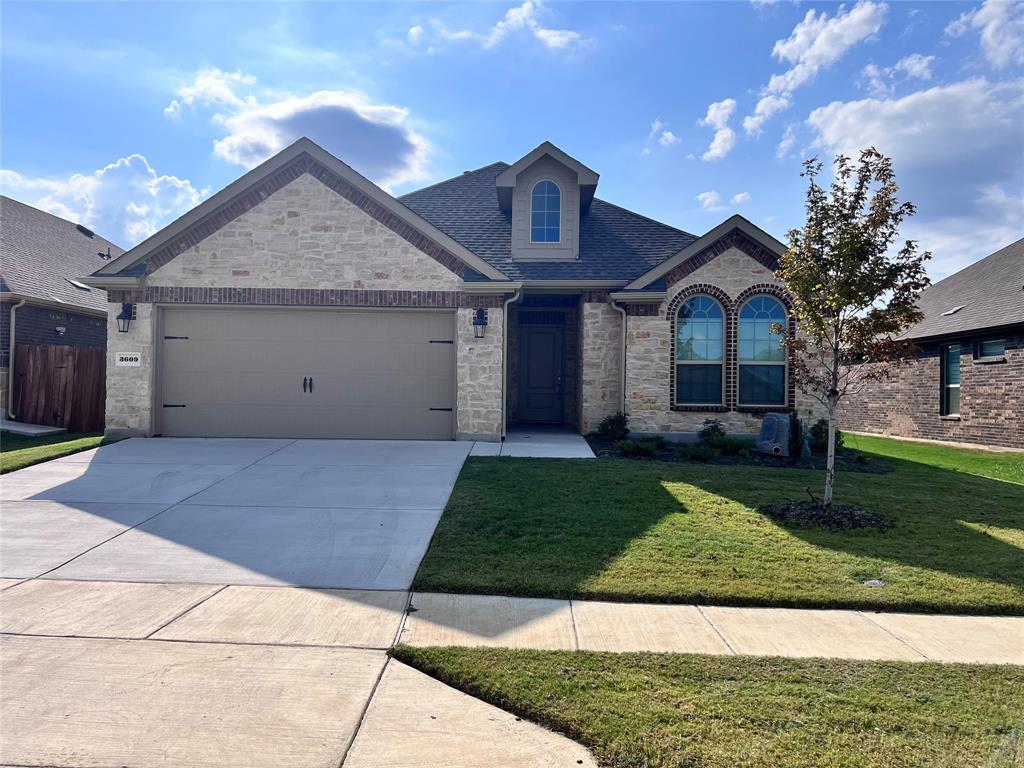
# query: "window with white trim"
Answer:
x=950 y=369
x=762 y=357
x=546 y=213
x=700 y=362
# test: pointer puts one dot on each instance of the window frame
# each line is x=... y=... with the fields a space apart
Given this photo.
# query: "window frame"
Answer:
x=529 y=222
x=676 y=362
x=784 y=363
x=980 y=346
x=944 y=387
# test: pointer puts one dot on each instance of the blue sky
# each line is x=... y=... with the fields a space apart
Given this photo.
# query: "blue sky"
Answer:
x=123 y=116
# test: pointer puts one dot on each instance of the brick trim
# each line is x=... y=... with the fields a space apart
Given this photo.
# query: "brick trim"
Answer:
x=643 y=310
x=733 y=239
x=256 y=194
x=305 y=297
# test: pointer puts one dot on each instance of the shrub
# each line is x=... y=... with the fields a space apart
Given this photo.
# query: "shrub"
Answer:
x=733 y=446
x=638 y=447
x=700 y=452
x=711 y=432
x=796 y=435
x=614 y=427
x=819 y=432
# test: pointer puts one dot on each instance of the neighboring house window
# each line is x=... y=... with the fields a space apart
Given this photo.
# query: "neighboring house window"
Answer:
x=992 y=348
x=951 y=380
x=546 y=213
x=699 y=359
x=762 y=358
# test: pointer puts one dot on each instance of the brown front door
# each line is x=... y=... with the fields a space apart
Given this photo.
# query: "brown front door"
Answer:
x=541 y=360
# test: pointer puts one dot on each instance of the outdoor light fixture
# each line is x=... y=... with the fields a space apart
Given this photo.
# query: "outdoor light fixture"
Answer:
x=479 y=323
x=125 y=318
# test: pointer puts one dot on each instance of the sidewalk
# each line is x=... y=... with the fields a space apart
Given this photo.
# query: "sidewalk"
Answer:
x=543 y=624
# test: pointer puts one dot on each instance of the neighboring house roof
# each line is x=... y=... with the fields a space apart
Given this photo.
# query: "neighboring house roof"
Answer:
x=615 y=244
x=40 y=253
x=990 y=294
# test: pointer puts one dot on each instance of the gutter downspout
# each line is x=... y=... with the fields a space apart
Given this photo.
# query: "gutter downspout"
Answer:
x=504 y=360
x=622 y=351
x=10 y=364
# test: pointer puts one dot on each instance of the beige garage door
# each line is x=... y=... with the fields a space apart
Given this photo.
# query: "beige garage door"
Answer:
x=386 y=374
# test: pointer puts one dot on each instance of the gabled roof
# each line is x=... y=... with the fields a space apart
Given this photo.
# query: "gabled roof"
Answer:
x=990 y=294
x=586 y=177
x=615 y=244
x=239 y=196
x=736 y=230
x=41 y=253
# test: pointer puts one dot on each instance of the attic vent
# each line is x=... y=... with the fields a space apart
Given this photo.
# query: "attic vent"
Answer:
x=85 y=230
x=953 y=311
x=77 y=284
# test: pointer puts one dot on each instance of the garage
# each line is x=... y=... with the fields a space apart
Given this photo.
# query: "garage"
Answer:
x=317 y=373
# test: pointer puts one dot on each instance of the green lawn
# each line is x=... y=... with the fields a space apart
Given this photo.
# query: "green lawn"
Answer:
x=20 y=451
x=680 y=532
x=662 y=710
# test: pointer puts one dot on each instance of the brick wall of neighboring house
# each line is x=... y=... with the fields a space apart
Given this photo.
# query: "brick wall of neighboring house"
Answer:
x=731 y=277
x=306 y=245
x=907 y=403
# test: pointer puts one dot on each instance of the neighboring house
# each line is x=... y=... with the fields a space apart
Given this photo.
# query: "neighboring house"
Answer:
x=967 y=381
x=43 y=302
x=304 y=301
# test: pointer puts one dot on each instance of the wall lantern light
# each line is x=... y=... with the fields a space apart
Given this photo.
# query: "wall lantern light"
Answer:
x=479 y=323
x=125 y=318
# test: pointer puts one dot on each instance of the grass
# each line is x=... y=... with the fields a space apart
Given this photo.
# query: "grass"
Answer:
x=20 y=451
x=661 y=710
x=617 y=529
x=997 y=465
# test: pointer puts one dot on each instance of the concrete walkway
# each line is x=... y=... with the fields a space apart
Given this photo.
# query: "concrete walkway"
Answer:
x=538 y=443
x=508 y=622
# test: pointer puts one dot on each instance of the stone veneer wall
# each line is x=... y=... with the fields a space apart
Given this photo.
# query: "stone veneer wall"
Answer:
x=478 y=377
x=907 y=403
x=304 y=244
x=649 y=353
x=600 y=352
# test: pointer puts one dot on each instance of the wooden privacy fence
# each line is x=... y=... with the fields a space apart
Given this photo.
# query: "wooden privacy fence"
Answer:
x=60 y=386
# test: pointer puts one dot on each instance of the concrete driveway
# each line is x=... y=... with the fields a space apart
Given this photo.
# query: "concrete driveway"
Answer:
x=178 y=602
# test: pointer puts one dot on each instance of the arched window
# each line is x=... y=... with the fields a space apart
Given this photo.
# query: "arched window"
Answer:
x=699 y=360
x=762 y=358
x=546 y=213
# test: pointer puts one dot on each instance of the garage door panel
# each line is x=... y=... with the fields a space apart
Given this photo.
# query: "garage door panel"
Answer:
x=239 y=373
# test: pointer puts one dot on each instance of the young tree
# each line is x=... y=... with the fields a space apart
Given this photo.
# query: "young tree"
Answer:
x=852 y=291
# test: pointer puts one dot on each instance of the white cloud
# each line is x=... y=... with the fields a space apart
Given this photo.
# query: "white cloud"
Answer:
x=786 y=143
x=881 y=81
x=710 y=200
x=740 y=197
x=520 y=19
x=415 y=34
x=916 y=65
x=1001 y=26
x=718 y=115
x=374 y=138
x=667 y=139
x=955 y=149
x=125 y=201
x=661 y=134
x=818 y=41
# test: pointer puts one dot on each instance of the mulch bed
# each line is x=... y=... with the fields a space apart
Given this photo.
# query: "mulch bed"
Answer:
x=814 y=514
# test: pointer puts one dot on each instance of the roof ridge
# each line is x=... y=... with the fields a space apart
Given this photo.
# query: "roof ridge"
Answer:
x=453 y=178
x=645 y=218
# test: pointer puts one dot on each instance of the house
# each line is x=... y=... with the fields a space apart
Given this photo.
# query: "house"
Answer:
x=48 y=314
x=304 y=301
x=966 y=383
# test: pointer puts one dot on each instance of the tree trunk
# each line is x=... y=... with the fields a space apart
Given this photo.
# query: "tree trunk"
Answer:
x=830 y=464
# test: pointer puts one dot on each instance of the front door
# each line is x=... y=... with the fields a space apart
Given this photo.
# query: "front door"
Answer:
x=541 y=354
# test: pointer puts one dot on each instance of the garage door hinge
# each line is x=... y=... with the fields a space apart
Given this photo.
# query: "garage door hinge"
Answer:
x=441 y=341
x=173 y=405
x=440 y=409
x=175 y=337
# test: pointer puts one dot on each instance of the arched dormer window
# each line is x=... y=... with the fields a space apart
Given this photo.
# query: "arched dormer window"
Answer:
x=700 y=362
x=762 y=358
x=546 y=213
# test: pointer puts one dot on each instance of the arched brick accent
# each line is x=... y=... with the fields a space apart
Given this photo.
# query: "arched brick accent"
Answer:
x=776 y=292
x=729 y=340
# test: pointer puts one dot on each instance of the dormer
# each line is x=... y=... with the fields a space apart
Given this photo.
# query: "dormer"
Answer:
x=546 y=192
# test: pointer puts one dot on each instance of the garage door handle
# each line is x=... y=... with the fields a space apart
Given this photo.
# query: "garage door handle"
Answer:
x=305 y=381
x=310 y=383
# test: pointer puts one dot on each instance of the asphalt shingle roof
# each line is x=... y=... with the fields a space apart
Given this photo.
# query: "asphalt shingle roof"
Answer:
x=40 y=252
x=991 y=292
x=615 y=244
